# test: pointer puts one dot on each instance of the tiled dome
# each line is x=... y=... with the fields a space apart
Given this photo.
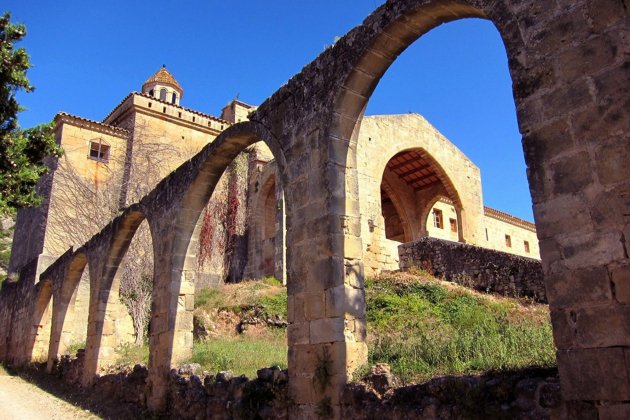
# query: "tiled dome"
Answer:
x=163 y=77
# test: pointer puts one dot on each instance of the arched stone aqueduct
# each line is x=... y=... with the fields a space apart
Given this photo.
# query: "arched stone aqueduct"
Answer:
x=569 y=65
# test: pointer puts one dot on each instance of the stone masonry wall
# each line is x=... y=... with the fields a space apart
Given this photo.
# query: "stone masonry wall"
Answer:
x=192 y=394
x=480 y=268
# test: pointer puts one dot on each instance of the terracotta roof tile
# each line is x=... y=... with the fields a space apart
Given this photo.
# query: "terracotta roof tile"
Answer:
x=165 y=77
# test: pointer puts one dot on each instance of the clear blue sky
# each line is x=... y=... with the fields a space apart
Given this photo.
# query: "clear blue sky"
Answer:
x=89 y=55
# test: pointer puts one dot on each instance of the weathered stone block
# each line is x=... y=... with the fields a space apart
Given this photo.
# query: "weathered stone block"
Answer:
x=583 y=328
x=314 y=306
x=621 y=281
x=614 y=411
x=594 y=374
x=612 y=160
x=584 y=286
x=301 y=389
x=298 y=333
x=327 y=330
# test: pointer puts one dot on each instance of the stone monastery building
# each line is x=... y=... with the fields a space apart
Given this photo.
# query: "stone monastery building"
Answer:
x=418 y=185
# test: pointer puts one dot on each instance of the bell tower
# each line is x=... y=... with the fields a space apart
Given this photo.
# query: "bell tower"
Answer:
x=163 y=86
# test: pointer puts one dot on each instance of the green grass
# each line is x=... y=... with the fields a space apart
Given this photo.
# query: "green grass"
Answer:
x=268 y=294
x=74 y=347
x=421 y=327
x=425 y=329
x=242 y=355
x=208 y=297
x=129 y=354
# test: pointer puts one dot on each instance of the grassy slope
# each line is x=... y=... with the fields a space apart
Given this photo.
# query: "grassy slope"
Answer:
x=421 y=326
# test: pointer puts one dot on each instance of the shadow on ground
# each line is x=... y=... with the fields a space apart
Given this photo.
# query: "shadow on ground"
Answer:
x=86 y=399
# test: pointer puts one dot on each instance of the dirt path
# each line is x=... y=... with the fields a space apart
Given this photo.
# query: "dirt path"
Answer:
x=20 y=399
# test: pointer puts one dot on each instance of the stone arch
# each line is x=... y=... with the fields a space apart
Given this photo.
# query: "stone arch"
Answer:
x=67 y=319
x=106 y=312
x=559 y=88
x=171 y=321
x=262 y=242
x=399 y=209
x=38 y=342
x=425 y=215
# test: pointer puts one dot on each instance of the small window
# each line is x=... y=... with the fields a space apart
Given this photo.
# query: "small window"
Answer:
x=164 y=109
x=174 y=99
x=487 y=234
x=453 y=223
x=163 y=94
x=151 y=92
x=438 y=221
x=209 y=123
x=180 y=114
x=193 y=119
x=149 y=104
x=508 y=241
x=526 y=246
x=99 y=151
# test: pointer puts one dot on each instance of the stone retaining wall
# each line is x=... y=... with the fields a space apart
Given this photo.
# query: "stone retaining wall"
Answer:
x=479 y=268
x=529 y=393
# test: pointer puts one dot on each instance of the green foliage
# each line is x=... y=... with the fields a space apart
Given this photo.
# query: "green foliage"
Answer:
x=74 y=347
x=22 y=152
x=208 y=297
x=274 y=306
x=271 y=281
x=417 y=325
x=130 y=354
x=424 y=329
x=241 y=355
x=5 y=250
x=266 y=295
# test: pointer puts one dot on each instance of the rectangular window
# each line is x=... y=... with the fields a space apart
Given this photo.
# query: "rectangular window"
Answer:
x=453 y=223
x=99 y=151
x=526 y=245
x=438 y=221
x=508 y=241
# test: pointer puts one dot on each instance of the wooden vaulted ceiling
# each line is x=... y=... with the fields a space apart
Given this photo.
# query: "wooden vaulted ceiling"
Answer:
x=414 y=169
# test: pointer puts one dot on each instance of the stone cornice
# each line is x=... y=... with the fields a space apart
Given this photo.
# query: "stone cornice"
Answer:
x=65 y=118
x=508 y=218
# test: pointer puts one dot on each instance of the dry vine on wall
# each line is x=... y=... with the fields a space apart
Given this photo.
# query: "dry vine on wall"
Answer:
x=223 y=223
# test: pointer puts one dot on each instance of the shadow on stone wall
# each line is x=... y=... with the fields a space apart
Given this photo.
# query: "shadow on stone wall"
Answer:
x=529 y=393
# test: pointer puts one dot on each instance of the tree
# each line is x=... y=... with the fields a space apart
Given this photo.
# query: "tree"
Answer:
x=22 y=152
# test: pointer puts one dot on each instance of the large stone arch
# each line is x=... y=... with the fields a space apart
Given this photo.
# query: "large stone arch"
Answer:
x=262 y=240
x=560 y=86
x=38 y=341
x=66 y=291
x=106 y=312
x=174 y=246
x=401 y=207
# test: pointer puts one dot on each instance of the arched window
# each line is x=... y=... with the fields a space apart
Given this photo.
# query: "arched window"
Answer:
x=151 y=92
x=163 y=94
x=174 y=100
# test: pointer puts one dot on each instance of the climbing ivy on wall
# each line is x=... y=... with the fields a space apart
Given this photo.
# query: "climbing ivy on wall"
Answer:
x=223 y=220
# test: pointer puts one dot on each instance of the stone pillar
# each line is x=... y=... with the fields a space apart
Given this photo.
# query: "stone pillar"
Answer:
x=326 y=302
x=59 y=310
x=575 y=135
x=108 y=327
x=170 y=335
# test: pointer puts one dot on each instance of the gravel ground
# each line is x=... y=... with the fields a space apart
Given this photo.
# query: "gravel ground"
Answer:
x=20 y=399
